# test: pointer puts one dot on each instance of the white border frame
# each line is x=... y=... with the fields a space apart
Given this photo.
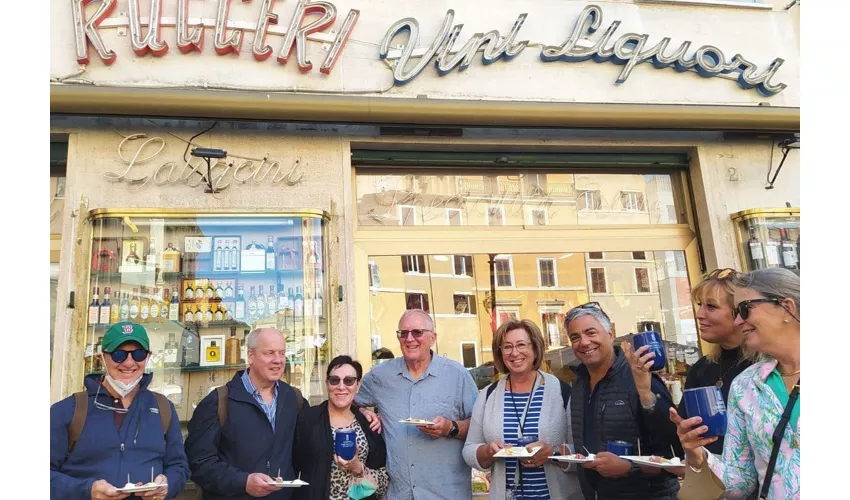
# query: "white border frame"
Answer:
x=448 y=219
x=471 y=300
x=502 y=210
x=417 y=292
x=424 y=261
x=648 y=280
x=529 y=216
x=635 y=192
x=554 y=272
x=590 y=281
x=584 y=195
x=507 y=309
x=588 y=257
x=401 y=212
x=510 y=259
x=454 y=271
x=474 y=344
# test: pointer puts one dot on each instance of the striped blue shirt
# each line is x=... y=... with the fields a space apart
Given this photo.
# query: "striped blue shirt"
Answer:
x=533 y=480
x=268 y=409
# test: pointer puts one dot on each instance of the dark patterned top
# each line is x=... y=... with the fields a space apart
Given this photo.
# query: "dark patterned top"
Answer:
x=340 y=478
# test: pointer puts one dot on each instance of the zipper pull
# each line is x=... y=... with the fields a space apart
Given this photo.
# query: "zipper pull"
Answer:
x=268 y=465
x=122 y=446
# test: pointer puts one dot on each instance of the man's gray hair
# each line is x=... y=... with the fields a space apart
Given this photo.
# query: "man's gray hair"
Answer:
x=411 y=312
x=598 y=313
x=251 y=338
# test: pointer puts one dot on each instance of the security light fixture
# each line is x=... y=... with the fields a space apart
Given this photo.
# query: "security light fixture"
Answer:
x=208 y=154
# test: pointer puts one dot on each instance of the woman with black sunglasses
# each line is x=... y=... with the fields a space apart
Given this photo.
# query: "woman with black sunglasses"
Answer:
x=330 y=477
x=761 y=452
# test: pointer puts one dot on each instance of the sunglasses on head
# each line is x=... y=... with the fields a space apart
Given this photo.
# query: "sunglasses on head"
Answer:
x=743 y=307
x=722 y=274
x=334 y=380
x=120 y=356
x=417 y=334
x=590 y=305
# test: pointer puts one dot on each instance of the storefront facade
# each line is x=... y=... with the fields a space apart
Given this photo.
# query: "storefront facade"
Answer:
x=384 y=186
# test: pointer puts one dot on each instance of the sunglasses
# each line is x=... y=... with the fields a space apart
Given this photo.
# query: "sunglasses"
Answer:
x=722 y=274
x=743 y=308
x=334 y=380
x=120 y=356
x=417 y=334
x=590 y=305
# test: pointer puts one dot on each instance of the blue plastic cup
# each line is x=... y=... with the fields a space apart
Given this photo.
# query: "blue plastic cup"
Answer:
x=345 y=443
x=527 y=440
x=656 y=345
x=707 y=402
x=620 y=448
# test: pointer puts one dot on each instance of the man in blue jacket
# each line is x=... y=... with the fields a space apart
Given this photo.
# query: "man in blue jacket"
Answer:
x=237 y=447
x=120 y=430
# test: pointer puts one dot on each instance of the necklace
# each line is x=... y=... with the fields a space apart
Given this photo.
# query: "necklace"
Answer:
x=789 y=374
x=720 y=379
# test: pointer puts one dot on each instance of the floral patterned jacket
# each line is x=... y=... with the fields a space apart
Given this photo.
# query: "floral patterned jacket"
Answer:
x=753 y=411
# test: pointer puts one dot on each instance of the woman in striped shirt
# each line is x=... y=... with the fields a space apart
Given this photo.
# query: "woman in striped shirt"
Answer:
x=526 y=408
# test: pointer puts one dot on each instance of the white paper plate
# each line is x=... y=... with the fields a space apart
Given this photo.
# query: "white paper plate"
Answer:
x=517 y=452
x=140 y=489
x=416 y=421
x=296 y=483
x=572 y=459
x=645 y=461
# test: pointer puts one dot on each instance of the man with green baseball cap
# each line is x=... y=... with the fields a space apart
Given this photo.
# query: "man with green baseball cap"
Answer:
x=88 y=458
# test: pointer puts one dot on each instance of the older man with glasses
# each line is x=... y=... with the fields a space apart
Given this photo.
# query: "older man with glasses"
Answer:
x=424 y=461
x=117 y=431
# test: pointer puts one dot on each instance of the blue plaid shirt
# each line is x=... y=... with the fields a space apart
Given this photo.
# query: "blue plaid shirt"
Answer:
x=268 y=409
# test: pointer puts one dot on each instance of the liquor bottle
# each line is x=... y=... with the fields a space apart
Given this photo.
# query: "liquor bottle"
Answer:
x=232 y=351
x=239 y=313
x=219 y=257
x=115 y=310
x=199 y=289
x=774 y=257
x=315 y=260
x=135 y=305
x=225 y=254
x=213 y=352
x=271 y=302
x=189 y=291
x=165 y=305
x=188 y=315
x=228 y=291
x=190 y=352
x=226 y=313
x=243 y=347
x=261 y=304
x=756 y=251
x=282 y=300
x=199 y=313
x=94 y=310
x=318 y=305
x=155 y=305
x=290 y=297
x=171 y=259
x=98 y=355
x=218 y=311
x=305 y=254
x=252 y=305
x=270 y=255
x=150 y=258
x=789 y=251
x=125 y=307
x=210 y=291
x=105 y=307
x=255 y=246
x=234 y=256
x=174 y=307
x=219 y=291
x=171 y=348
x=298 y=308
x=308 y=303
x=144 y=306
x=207 y=312
x=133 y=258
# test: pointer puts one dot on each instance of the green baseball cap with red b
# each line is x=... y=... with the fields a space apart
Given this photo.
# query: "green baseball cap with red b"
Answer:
x=124 y=332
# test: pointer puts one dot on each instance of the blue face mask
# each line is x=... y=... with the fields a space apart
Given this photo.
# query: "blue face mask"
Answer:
x=362 y=489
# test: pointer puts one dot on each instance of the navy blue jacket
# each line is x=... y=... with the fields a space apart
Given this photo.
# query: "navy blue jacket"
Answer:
x=222 y=459
x=98 y=453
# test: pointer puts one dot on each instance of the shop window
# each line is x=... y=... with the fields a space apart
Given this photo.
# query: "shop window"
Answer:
x=469 y=352
x=406 y=215
x=589 y=200
x=551 y=322
x=454 y=217
x=462 y=265
x=595 y=256
x=413 y=264
x=642 y=280
x=546 y=272
x=597 y=280
x=632 y=201
x=374 y=277
x=495 y=215
x=639 y=255
x=464 y=303
x=417 y=301
x=504 y=273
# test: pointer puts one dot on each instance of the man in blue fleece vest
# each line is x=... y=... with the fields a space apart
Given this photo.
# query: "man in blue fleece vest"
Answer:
x=122 y=433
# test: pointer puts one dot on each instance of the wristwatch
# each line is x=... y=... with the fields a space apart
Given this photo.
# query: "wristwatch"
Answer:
x=635 y=471
x=455 y=430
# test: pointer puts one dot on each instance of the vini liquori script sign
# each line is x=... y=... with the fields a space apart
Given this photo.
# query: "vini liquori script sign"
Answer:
x=315 y=20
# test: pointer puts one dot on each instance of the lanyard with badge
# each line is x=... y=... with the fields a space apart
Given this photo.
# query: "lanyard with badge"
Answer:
x=513 y=494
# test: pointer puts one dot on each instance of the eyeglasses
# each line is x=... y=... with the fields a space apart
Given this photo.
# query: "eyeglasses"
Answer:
x=520 y=347
x=120 y=356
x=334 y=380
x=417 y=334
x=722 y=274
x=743 y=308
x=590 y=305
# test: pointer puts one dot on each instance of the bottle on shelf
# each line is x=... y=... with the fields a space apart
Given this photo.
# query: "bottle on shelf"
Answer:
x=150 y=258
x=757 y=259
x=210 y=290
x=228 y=291
x=188 y=314
x=308 y=303
x=774 y=253
x=232 y=350
x=305 y=254
x=298 y=302
x=315 y=259
x=174 y=306
x=290 y=298
x=271 y=302
x=125 y=307
x=144 y=306
x=115 y=310
x=218 y=257
x=199 y=289
x=171 y=259
x=199 y=313
x=165 y=306
x=208 y=312
x=261 y=303
x=789 y=251
x=132 y=257
x=218 y=311
x=213 y=352
x=189 y=291
x=219 y=291
x=225 y=255
x=105 y=307
x=170 y=354
x=318 y=305
x=270 y=255
x=234 y=256
x=94 y=308
x=239 y=313
x=155 y=306
x=282 y=300
x=98 y=355
x=255 y=246
x=252 y=305
x=88 y=356
x=243 y=347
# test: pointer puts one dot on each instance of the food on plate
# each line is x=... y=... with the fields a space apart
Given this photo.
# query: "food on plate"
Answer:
x=514 y=452
x=418 y=421
x=661 y=460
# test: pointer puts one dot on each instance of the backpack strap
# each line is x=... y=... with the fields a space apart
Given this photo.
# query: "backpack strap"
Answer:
x=490 y=389
x=222 y=404
x=566 y=391
x=78 y=421
x=164 y=411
